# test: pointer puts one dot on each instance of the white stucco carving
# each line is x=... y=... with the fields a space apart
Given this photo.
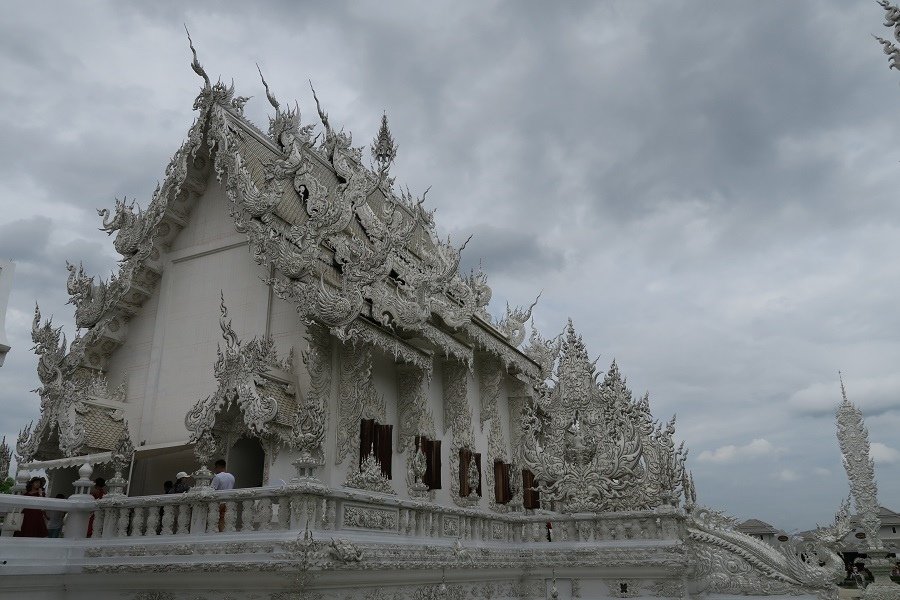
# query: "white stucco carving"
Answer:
x=353 y=270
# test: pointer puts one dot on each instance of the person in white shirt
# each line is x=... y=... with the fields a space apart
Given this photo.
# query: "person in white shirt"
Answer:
x=223 y=480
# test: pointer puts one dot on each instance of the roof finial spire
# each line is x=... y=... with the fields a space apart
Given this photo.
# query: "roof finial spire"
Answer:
x=384 y=150
x=272 y=100
x=843 y=389
x=195 y=64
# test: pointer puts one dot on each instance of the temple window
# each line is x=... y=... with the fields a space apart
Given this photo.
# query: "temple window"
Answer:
x=502 y=493
x=531 y=498
x=465 y=458
x=432 y=451
x=375 y=437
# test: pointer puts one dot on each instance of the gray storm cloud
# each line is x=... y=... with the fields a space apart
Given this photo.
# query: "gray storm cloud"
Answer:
x=708 y=189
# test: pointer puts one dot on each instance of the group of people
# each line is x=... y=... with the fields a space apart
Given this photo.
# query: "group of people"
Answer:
x=223 y=480
x=49 y=523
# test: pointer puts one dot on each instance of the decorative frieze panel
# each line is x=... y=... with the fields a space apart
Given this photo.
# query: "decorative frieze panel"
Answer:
x=490 y=377
x=312 y=415
x=412 y=406
x=357 y=398
x=450 y=526
x=367 y=517
x=457 y=421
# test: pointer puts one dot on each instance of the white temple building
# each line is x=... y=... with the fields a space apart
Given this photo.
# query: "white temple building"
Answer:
x=281 y=305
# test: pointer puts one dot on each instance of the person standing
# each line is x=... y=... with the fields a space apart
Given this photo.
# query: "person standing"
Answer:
x=34 y=522
x=181 y=483
x=223 y=480
x=55 y=520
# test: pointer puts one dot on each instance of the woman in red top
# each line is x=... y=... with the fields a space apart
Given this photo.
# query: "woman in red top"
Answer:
x=34 y=522
x=98 y=491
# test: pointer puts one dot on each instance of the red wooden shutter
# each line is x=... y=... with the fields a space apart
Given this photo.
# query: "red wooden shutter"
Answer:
x=383 y=449
x=434 y=465
x=532 y=498
x=465 y=455
x=478 y=464
x=366 y=438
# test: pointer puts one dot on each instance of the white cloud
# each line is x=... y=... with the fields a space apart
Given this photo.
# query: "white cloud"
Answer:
x=873 y=395
x=736 y=236
x=883 y=453
x=822 y=471
x=788 y=475
x=725 y=454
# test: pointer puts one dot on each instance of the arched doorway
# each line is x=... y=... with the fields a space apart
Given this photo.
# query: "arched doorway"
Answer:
x=246 y=461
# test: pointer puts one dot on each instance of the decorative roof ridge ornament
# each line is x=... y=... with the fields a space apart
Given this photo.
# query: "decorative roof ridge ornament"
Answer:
x=384 y=150
x=513 y=324
x=213 y=94
x=285 y=129
x=891 y=19
x=195 y=64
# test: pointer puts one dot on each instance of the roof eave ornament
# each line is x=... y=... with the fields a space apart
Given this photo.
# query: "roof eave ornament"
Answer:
x=891 y=19
x=213 y=94
x=285 y=127
x=195 y=64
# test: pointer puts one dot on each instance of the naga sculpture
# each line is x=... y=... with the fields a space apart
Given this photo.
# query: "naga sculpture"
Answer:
x=132 y=228
x=90 y=300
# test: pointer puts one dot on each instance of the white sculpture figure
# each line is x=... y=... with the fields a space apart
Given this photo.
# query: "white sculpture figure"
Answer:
x=853 y=438
x=7 y=268
x=474 y=479
x=417 y=467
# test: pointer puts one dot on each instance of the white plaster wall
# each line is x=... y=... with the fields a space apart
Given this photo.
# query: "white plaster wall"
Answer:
x=132 y=361
x=191 y=332
x=210 y=219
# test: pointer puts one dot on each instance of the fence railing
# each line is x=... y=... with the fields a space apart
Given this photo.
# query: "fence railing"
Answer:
x=312 y=506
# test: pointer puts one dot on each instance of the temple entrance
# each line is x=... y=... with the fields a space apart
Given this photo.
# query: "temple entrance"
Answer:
x=246 y=461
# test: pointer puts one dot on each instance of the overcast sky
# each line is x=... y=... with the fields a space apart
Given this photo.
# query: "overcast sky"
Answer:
x=709 y=189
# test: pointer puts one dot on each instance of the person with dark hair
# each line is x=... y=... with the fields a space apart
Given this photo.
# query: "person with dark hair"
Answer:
x=223 y=480
x=55 y=520
x=167 y=486
x=34 y=522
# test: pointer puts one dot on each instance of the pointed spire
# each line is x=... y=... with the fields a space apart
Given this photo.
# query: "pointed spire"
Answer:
x=384 y=150
x=195 y=64
x=272 y=100
x=843 y=389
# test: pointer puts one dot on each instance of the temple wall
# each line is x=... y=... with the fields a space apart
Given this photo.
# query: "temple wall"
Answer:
x=172 y=341
x=132 y=361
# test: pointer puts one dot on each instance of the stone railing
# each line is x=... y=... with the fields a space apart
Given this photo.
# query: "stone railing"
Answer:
x=311 y=506
x=78 y=510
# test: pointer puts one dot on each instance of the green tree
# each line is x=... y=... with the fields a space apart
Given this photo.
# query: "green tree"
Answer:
x=6 y=485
